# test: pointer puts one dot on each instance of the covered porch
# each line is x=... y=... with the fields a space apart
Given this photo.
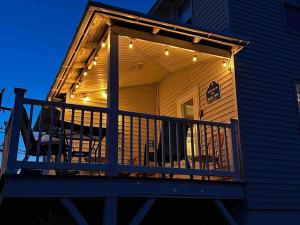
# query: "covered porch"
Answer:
x=134 y=97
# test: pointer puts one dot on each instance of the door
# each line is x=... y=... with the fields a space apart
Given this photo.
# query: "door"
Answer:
x=188 y=108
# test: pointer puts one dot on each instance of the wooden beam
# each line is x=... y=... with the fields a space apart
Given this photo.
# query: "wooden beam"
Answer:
x=221 y=207
x=172 y=42
x=78 y=65
x=90 y=45
x=113 y=103
x=73 y=211
x=110 y=211
x=137 y=219
x=155 y=30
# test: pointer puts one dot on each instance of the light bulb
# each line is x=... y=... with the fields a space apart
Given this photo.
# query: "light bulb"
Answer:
x=85 y=98
x=103 y=44
x=130 y=45
x=77 y=85
x=72 y=95
x=195 y=58
x=95 y=62
x=224 y=64
x=104 y=95
x=85 y=73
x=167 y=52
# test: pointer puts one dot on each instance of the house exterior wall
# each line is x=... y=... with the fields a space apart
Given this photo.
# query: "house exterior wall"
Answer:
x=179 y=83
x=266 y=72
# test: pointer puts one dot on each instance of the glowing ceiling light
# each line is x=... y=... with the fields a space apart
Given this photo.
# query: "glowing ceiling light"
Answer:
x=103 y=44
x=195 y=58
x=85 y=98
x=167 y=51
x=104 y=94
x=95 y=62
x=77 y=85
x=224 y=64
x=130 y=45
x=72 y=95
x=85 y=73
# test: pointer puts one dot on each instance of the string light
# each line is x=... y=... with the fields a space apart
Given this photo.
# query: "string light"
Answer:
x=167 y=51
x=77 y=85
x=103 y=44
x=130 y=44
x=195 y=58
x=85 y=73
x=72 y=95
x=224 y=64
x=95 y=62
x=85 y=98
x=104 y=95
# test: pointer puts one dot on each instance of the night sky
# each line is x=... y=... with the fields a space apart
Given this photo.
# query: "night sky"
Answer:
x=35 y=36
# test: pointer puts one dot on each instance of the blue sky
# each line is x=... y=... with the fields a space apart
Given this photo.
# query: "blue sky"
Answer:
x=34 y=37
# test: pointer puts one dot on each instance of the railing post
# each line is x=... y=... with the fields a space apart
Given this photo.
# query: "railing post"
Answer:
x=234 y=144
x=15 y=130
x=113 y=103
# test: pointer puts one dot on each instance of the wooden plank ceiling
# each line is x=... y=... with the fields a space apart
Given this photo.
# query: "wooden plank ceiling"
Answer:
x=144 y=63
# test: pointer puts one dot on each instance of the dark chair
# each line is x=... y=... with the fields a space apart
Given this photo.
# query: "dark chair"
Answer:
x=171 y=146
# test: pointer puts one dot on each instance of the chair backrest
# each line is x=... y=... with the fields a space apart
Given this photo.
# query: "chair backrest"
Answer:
x=172 y=136
x=27 y=134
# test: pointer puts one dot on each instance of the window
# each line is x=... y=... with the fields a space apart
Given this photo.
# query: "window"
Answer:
x=184 y=12
x=292 y=17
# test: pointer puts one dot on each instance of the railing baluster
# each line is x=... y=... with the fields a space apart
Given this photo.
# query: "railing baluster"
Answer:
x=81 y=136
x=155 y=142
x=139 y=141
x=147 y=141
x=99 y=139
x=163 y=143
x=131 y=140
x=206 y=147
x=29 y=130
x=226 y=149
x=91 y=135
x=170 y=144
x=220 y=149
x=213 y=147
x=71 y=135
x=51 y=131
x=192 y=145
x=184 y=146
x=178 y=144
x=61 y=134
x=40 y=134
x=199 y=146
x=122 y=137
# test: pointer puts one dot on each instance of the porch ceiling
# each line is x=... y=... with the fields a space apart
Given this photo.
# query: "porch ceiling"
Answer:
x=145 y=63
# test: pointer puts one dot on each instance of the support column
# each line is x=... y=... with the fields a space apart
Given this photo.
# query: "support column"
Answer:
x=113 y=103
x=110 y=210
x=16 y=119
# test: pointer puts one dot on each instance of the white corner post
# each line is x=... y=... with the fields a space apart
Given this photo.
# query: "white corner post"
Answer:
x=15 y=126
x=113 y=103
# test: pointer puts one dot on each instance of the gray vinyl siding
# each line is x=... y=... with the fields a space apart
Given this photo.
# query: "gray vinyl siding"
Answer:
x=211 y=14
x=266 y=72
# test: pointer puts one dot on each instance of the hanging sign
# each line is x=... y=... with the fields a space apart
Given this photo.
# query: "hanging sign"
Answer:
x=213 y=92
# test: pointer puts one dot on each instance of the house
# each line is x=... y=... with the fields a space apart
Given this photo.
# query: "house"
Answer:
x=172 y=110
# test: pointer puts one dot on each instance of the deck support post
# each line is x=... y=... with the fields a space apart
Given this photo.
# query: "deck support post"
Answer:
x=221 y=207
x=137 y=219
x=113 y=103
x=234 y=144
x=73 y=211
x=110 y=210
x=15 y=127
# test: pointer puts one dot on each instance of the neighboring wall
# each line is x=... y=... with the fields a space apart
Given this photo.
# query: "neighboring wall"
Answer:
x=211 y=14
x=177 y=84
x=266 y=73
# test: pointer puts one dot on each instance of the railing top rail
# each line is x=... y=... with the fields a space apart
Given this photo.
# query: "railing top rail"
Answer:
x=183 y=120
x=65 y=105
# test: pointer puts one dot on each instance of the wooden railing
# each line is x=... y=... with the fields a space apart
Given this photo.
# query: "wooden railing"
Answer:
x=60 y=138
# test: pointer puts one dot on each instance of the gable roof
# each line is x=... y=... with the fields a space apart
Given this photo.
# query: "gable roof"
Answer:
x=107 y=14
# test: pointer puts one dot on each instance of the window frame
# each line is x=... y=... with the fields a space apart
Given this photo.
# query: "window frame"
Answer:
x=288 y=3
